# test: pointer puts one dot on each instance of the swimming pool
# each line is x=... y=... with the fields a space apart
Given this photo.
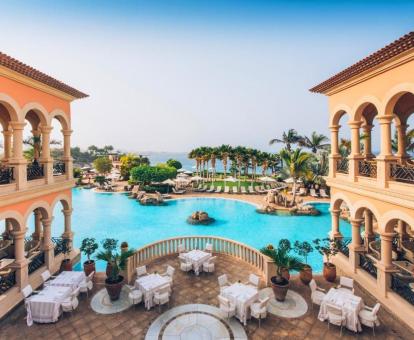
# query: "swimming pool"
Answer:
x=114 y=215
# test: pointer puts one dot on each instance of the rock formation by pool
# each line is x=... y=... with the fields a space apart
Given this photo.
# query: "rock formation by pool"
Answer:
x=200 y=217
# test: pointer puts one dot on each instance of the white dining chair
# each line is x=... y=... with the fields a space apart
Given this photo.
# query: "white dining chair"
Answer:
x=46 y=277
x=134 y=296
x=209 y=248
x=27 y=291
x=317 y=294
x=346 y=284
x=254 y=281
x=87 y=284
x=258 y=310
x=181 y=248
x=223 y=282
x=185 y=265
x=228 y=308
x=208 y=266
x=72 y=302
x=336 y=316
x=162 y=296
x=368 y=316
x=169 y=274
x=141 y=271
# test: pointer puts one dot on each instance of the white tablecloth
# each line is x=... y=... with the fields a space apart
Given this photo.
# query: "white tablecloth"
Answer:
x=148 y=285
x=242 y=296
x=348 y=302
x=45 y=306
x=197 y=257
x=68 y=279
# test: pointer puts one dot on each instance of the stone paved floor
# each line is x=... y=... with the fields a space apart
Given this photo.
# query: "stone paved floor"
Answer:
x=134 y=322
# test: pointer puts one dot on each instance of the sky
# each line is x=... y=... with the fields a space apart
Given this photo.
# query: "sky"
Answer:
x=173 y=75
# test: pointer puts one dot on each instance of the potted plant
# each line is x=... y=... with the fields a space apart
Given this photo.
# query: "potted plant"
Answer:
x=66 y=245
x=304 y=249
x=109 y=244
x=117 y=261
x=328 y=247
x=124 y=246
x=88 y=247
x=284 y=261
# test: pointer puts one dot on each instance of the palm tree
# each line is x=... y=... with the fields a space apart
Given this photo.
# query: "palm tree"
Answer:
x=296 y=165
x=253 y=154
x=345 y=147
x=196 y=154
x=409 y=141
x=289 y=138
x=225 y=152
x=315 y=142
x=238 y=154
x=264 y=161
x=214 y=154
x=274 y=162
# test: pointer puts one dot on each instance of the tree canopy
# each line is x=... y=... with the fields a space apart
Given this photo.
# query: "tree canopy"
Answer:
x=130 y=161
x=146 y=174
x=174 y=163
x=102 y=164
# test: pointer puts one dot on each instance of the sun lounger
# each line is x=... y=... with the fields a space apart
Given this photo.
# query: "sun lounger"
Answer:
x=226 y=190
x=302 y=191
x=258 y=190
x=212 y=189
x=250 y=190
x=323 y=193
x=243 y=190
x=178 y=192
x=218 y=190
x=235 y=190
x=313 y=193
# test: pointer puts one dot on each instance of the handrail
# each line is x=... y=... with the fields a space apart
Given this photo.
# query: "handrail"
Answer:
x=221 y=245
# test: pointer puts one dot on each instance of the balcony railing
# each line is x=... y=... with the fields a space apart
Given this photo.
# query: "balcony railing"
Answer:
x=58 y=242
x=366 y=263
x=59 y=168
x=34 y=171
x=7 y=281
x=6 y=175
x=36 y=262
x=342 y=166
x=400 y=284
x=402 y=173
x=367 y=168
x=343 y=245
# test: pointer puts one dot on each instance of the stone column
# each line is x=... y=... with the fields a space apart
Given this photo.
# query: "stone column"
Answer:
x=47 y=245
x=369 y=232
x=402 y=232
x=18 y=162
x=355 y=155
x=334 y=156
x=401 y=135
x=7 y=134
x=356 y=245
x=385 y=267
x=21 y=264
x=67 y=157
x=67 y=213
x=45 y=159
x=37 y=234
x=385 y=156
x=335 y=233
x=367 y=141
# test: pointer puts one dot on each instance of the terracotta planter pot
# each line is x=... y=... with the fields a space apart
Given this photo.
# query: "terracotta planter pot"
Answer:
x=305 y=275
x=280 y=289
x=89 y=267
x=108 y=269
x=66 y=265
x=114 y=288
x=286 y=274
x=329 y=272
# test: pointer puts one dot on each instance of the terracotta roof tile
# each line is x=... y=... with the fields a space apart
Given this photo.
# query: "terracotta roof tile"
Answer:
x=397 y=47
x=31 y=72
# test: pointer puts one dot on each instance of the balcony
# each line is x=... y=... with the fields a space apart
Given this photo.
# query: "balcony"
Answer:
x=401 y=284
x=59 y=168
x=35 y=171
x=402 y=173
x=6 y=175
x=367 y=168
x=342 y=166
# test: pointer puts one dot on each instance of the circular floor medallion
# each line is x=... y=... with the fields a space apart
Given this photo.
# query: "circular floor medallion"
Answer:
x=294 y=305
x=102 y=304
x=194 y=321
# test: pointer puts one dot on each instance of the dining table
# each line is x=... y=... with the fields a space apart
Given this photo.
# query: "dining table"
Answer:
x=348 y=302
x=197 y=257
x=242 y=296
x=70 y=279
x=45 y=306
x=148 y=285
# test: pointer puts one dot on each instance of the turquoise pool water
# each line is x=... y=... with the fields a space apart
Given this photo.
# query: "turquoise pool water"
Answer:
x=116 y=216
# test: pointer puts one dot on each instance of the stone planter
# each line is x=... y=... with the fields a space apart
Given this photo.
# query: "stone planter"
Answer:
x=114 y=288
x=280 y=289
x=66 y=265
x=89 y=267
x=305 y=274
x=329 y=272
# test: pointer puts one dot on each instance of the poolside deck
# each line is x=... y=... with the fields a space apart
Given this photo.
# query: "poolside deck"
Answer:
x=134 y=322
